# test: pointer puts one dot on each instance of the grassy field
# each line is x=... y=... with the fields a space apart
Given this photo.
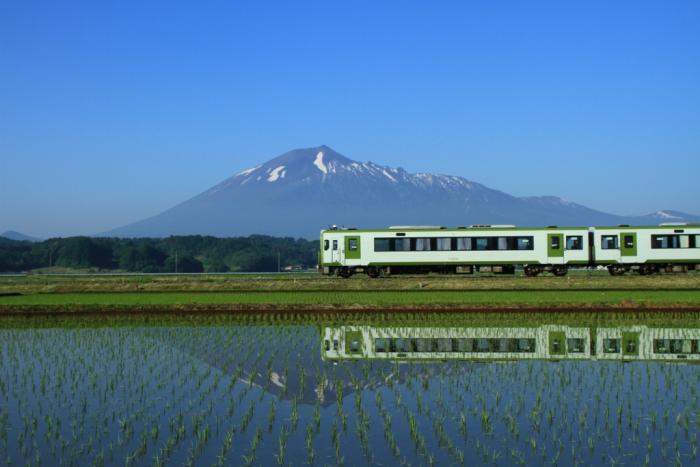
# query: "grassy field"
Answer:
x=577 y=280
x=306 y=299
x=304 y=291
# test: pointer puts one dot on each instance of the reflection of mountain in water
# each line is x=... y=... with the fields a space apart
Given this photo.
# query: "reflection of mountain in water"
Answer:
x=311 y=363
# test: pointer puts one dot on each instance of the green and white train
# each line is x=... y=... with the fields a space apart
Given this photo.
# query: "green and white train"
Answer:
x=502 y=248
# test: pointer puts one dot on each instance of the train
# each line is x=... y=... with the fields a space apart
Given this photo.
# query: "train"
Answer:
x=501 y=249
x=544 y=342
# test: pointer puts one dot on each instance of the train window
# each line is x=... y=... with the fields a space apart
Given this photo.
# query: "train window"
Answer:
x=381 y=244
x=574 y=242
x=444 y=244
x=575 y=345
x=335 y=245
x=402 y=244
x=609 y=242
x=611 y=345
x=422 y=244
x=352 y=244
x=482 y=243
x=422 y=345
x=381 y=344
x=666 y=241
x=685 y=241
x=464 y=244
x=326 y=245
x=502 y=243
x=526 y=345
x=676 y=346
x=444 y=345
x=403 y=345
x=629 y=241
x=524 y=243
x=659 y=241
x=482 y=345
x=695 y=241
x=555 y=242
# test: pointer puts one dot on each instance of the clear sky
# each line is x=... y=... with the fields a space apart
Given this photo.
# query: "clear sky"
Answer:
x=114 y=111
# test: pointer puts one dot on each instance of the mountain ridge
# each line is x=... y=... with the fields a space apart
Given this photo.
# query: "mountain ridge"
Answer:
x=301 y=191
x=19 y=236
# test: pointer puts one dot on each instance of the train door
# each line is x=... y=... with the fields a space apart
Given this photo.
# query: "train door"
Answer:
x=336 y=254
x=628 y=246
x=352 y=247
x=555 y=248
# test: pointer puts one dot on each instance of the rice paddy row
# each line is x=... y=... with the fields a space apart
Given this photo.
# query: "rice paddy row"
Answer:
x=179 y=301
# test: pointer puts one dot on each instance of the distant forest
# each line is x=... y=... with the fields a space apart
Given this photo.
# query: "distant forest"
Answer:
x=195 y=253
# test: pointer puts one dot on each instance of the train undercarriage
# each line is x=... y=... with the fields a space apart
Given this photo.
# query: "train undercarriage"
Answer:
x=530 y=270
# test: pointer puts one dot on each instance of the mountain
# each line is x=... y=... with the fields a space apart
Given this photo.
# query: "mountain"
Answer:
x=18 y=236
x=669 y=216
x=305 y=190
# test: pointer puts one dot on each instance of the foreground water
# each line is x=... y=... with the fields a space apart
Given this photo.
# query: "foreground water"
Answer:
x=401 y=389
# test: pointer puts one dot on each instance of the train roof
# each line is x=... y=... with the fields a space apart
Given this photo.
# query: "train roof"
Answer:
x=487 y=228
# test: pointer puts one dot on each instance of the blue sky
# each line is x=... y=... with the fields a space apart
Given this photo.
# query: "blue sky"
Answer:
x=114 y=111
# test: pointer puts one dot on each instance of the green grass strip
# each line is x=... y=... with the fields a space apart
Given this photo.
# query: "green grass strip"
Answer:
x=375 y=298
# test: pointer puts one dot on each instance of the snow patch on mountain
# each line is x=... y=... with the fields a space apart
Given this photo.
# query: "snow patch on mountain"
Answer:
x=389 y=176
x=276 y=174
x=245 y=172
x=318 y=162
x=665 y=215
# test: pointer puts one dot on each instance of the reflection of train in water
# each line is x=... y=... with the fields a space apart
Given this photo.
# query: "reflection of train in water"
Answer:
x=511 y=343
x=502 y=248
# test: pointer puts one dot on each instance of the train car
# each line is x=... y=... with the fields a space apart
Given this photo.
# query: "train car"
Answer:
x=646 y=250
x=503 y=248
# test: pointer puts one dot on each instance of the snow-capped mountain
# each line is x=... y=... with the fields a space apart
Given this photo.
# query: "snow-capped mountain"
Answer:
x=305 y=190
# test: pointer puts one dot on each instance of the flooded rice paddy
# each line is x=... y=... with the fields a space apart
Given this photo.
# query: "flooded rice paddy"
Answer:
x=330 y=390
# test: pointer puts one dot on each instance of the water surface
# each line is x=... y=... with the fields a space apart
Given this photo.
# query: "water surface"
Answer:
x=266 y=391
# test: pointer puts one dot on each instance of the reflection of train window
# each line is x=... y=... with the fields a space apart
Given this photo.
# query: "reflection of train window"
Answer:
x=611 y=345
x=526 y=345
x=335 y=344
x=327 y=345
x=676 y=346
x=433 y=345
x=381 y=344
x=575 y=345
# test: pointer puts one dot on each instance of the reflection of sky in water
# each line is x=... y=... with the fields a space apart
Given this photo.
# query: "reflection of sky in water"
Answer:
x=138 y=395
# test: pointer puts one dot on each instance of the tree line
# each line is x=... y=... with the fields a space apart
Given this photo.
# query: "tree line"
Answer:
x=192 y=253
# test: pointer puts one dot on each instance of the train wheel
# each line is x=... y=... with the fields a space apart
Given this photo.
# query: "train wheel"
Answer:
x=646 y=270
x=345 y=272
x=373 y=272
x=616 y=270
x=531 y=271
x=560 y=271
